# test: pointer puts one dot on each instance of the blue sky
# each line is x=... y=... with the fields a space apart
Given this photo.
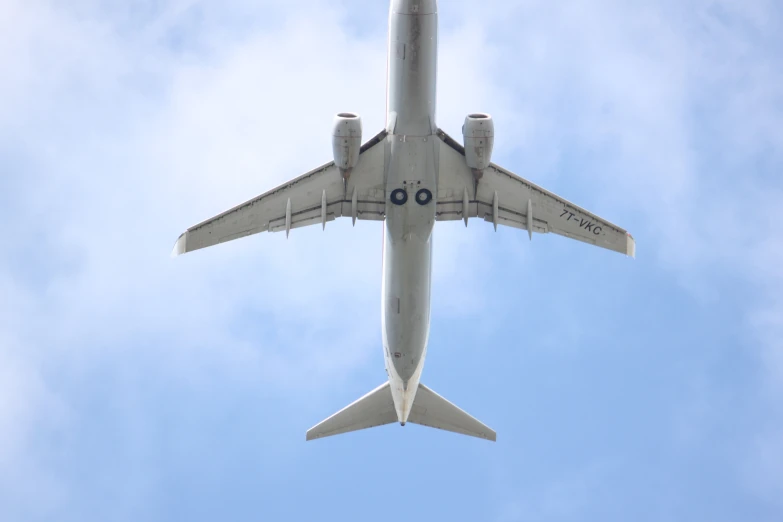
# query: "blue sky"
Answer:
x=137 y=387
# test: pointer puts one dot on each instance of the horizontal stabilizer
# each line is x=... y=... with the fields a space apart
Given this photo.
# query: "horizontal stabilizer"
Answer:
x=430 y=409
x=374 y=409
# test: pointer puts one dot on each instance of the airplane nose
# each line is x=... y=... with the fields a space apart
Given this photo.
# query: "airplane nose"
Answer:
x=412 y=7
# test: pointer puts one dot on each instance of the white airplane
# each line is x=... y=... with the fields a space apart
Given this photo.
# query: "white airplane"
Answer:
x=409 y=176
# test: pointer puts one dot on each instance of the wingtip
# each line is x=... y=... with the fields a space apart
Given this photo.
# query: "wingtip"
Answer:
x=313 y=433
x=180 y=247
x=631 y=247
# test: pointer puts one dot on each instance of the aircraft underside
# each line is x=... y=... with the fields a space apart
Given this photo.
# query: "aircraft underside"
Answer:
x=410 y=175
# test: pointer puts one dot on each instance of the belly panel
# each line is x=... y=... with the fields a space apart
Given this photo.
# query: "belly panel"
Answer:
x=407 y=261
x=406 y=321
x=412 y=72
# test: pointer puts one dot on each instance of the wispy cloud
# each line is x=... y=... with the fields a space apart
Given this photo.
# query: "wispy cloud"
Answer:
x=120 y=126
x=672 y=114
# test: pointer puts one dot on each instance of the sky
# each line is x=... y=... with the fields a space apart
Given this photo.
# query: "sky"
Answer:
x=134 y=386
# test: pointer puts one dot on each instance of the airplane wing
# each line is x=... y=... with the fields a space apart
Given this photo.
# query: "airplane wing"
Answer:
x=313 y=198
x=503 y=198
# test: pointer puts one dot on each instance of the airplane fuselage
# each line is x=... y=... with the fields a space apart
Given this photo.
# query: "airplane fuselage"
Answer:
x=411 y=179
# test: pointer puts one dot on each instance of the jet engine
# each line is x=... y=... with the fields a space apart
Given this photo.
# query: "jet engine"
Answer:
x=346 y=141
x=479 y=135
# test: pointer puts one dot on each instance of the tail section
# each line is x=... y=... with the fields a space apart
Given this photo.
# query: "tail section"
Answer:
x=377 y=408
x=374 y=409
x=430 y=409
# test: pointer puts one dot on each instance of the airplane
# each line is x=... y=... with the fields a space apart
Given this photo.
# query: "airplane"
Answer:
x=409 y=175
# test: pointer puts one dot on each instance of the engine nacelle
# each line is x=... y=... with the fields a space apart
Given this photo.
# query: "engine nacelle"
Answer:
x=479 y=135
x=346 y=141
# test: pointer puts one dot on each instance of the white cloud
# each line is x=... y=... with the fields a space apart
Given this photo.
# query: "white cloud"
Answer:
x=122 y=139
x=680 y=103
x=120 y=143
x=129 y=125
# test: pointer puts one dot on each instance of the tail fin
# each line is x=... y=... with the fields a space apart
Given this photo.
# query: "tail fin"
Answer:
x=374 y=409
x=377 y=408
x=430 y=409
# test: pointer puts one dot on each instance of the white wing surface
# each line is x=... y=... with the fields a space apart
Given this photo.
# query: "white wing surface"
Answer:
x=432 y=410
x=503 y=198
x=374 y=409
x=319 y=196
